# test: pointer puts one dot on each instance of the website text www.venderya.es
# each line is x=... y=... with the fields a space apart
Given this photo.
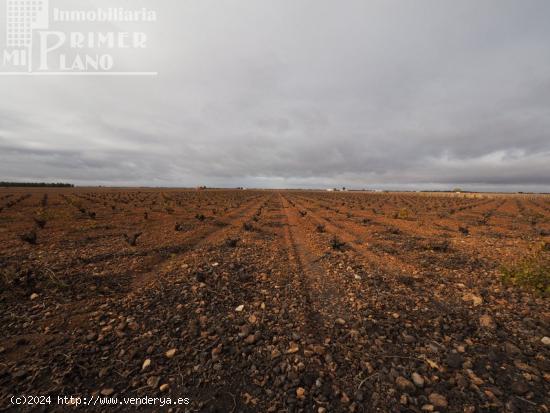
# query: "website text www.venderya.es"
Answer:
x=99 y=401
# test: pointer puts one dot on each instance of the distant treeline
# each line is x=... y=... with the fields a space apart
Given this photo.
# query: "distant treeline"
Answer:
x=36 y=184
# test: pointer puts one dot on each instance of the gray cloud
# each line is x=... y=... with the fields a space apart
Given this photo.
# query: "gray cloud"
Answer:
x=427 y=94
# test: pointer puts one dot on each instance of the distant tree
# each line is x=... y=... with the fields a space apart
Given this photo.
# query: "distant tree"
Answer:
x=36 y=185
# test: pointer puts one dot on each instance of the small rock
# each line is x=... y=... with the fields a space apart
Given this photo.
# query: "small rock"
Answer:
x=164 y=387
x=239 y=308
x=344 y=399
x=153 y=381
x=91 y=337
x=474 y=378
x=170 y=353
x=340 y=321
x=34 y=296
x=293 y=348
x=475 y=299
x=545 y=341
x=438 y=400
x=418 y=380
x=300 y=393
x=486 y=321
x=404 y=385
x=251 y=339
x=319 y=349
x=511 y=349
x=146 y=364
x=244 y=330
x=107 y=392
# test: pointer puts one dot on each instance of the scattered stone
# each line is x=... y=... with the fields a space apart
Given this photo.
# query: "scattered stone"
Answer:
x=300 y=393
x=340 y=321
x=418 y=380
x=293 y=348
x=239 y=308
x=344 y=399
x=511 y=349
x=404 y=385
x=244 y=330
x=486 y=321
x=319 y=349
x=146 y=364
x=171 y=353
x=91 y=336
x=474 y=378
x=153 y=381
x=438 y=400
x=34 y=296
x=164 y=387
x=107 y=392
x=545 y=341
x=474 y=299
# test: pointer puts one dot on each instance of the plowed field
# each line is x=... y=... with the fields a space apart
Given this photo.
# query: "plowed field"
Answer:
x=272 y=301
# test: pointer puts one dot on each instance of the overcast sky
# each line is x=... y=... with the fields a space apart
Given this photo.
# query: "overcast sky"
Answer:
x=295 y=93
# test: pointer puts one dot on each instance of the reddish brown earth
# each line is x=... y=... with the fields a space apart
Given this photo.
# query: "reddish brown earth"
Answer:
x=401 y=312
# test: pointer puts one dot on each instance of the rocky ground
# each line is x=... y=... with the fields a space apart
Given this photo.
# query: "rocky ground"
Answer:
x=273 y=301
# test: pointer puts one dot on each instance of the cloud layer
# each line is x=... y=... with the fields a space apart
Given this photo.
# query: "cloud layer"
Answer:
x=396 y=94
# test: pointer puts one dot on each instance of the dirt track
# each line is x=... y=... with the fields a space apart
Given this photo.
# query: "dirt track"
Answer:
x=350 y=301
